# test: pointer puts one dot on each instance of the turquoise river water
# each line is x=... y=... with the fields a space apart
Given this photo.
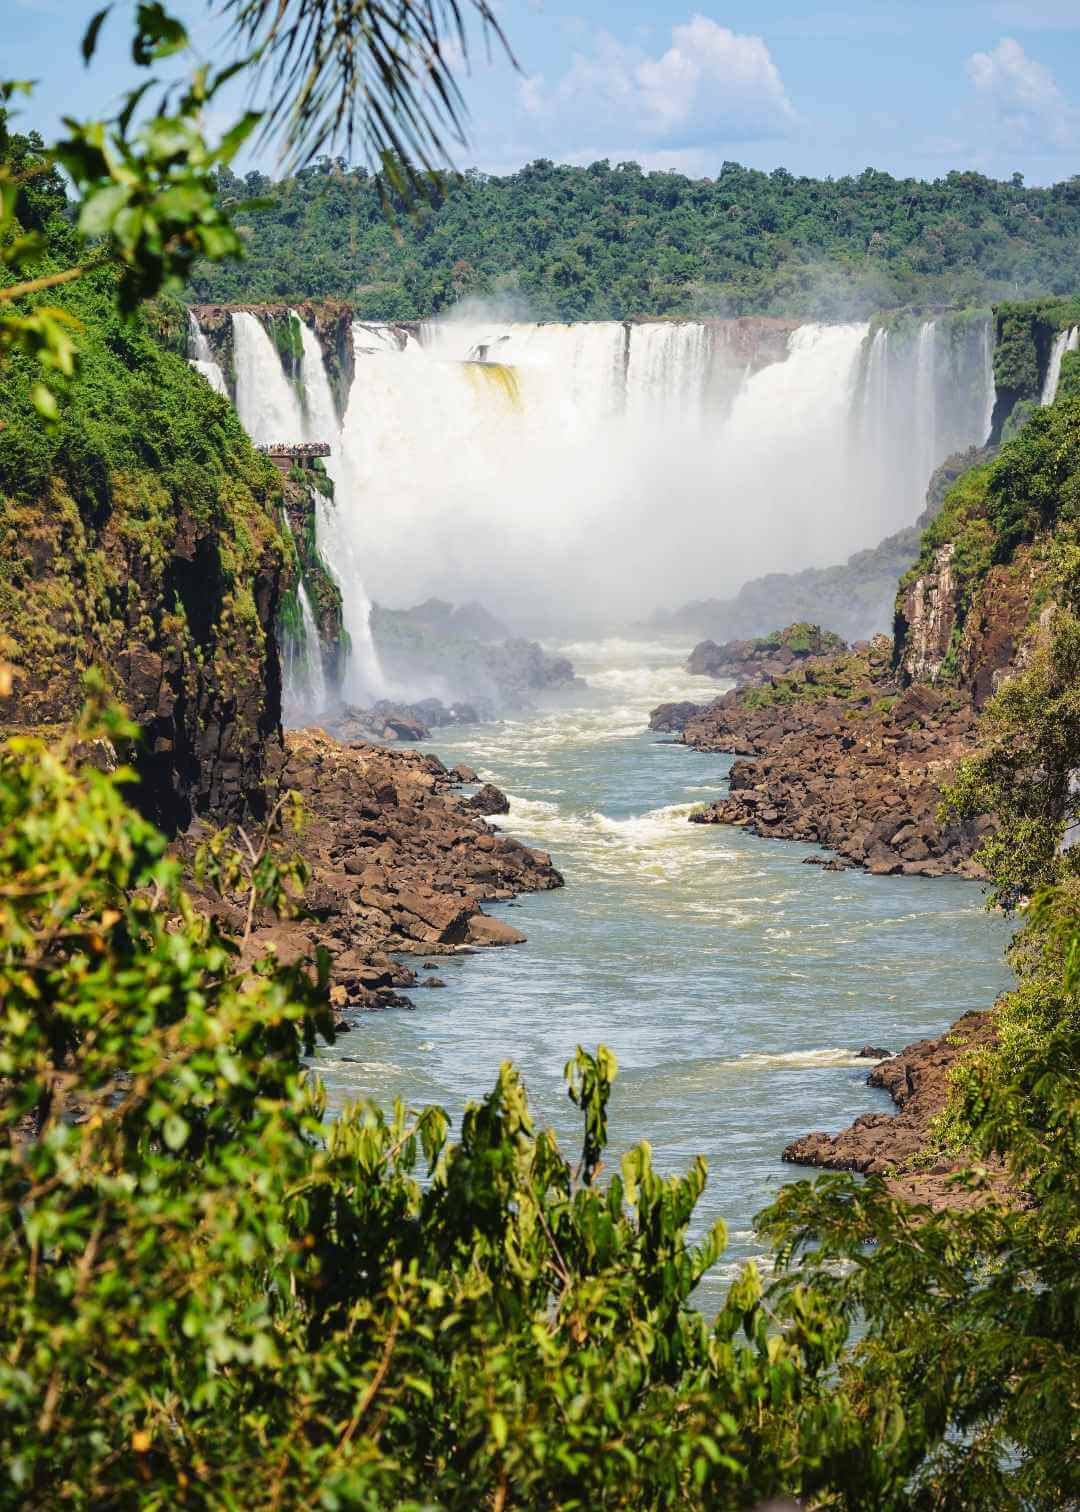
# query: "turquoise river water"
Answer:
x=732 y=982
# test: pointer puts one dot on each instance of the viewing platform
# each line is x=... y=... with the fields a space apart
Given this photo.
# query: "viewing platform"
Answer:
x=287 y=455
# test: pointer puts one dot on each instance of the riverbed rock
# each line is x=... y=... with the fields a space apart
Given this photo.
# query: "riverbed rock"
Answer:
x=489 y=800
x=888 y=1144
x=396 y=865
x=840 y=754
x=484 y=930
x=672 y=717
x=751 y=663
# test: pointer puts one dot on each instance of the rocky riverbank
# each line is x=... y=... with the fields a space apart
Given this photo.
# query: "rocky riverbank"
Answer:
x=845 y=756
x=891 y=1144
x=754 y=663
x=401 y=862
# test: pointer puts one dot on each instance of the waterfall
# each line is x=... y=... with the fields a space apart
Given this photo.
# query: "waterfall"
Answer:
x=201 y=357
x=667 y=373
x=270 y=409
x=1065 y=341
x=363 y=676
x=595 y=469
x=926 y=455
x=588 y=473
x=304 y=690
x=268 y=405
x=925 y=392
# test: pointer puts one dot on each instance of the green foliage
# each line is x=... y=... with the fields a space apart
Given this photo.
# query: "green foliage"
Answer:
x=210 y=1297
x=1023 y=336
x=603 y=242
x=802 y=638
x=213 y=1297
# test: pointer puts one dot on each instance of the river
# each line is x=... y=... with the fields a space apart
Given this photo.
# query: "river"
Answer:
x=731 y=981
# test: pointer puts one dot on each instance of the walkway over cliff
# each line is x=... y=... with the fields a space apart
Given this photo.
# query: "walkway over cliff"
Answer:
x=286 y=455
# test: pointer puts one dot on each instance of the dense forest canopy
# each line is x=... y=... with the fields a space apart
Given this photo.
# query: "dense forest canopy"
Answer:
x=604 y=242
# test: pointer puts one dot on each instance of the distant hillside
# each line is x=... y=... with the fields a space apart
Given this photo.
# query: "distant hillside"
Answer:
x=611 y=243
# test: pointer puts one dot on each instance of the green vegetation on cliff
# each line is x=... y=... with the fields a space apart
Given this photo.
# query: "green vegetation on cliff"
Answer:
x=607 y=242
x=137 y=534
x=1004 y=524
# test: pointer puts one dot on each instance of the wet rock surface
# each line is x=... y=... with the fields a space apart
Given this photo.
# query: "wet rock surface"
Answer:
x=399 y=864
x=389 y=721
x=489 y=800
x=887 y=1144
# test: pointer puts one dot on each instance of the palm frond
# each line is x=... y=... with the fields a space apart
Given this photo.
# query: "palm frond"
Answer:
x=375 y=74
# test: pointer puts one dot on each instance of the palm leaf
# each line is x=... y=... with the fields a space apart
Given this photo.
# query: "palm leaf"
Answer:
x=374 y=74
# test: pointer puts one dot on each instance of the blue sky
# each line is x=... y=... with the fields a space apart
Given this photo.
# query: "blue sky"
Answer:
x=918 y=88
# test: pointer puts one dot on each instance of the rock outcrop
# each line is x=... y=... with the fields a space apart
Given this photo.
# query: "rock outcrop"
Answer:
x=170 y=586
x=891 y=1144
x=750 y=663
x=846 y=758
x=399 y=863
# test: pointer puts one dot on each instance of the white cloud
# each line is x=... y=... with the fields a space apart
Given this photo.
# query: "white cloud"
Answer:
x=1023 y=95
x=710 y=84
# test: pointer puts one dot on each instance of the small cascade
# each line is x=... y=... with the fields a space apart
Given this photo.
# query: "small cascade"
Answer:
x=989 y=387
x=304 y=693
x=924 y=441
x=1064 y=341
x=667 y=372
x=316 y=395
x=270 y=410
x=201 y=357
x=363 y=675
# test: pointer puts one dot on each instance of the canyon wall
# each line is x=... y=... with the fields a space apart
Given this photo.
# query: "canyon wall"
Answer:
x=139 y=534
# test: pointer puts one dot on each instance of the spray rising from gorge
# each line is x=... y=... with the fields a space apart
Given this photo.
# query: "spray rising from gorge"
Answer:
x=581 y=476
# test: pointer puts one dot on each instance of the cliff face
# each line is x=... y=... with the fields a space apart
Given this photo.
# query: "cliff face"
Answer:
x=138 y=536
x=323 y=591
x=330 y=319
x=968 y=613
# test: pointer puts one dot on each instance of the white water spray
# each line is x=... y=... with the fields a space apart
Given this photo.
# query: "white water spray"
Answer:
x=201 y=357
x=589 y=473
x=594 y=471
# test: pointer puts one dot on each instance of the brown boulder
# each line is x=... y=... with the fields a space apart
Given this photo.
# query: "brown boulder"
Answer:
x=484 y=930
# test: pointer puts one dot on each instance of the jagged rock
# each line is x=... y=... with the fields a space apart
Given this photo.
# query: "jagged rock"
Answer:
x=489 y=800
x=463 y=773
x=672 y=717
x=845 y=757
x=885 y=1144
x=396 y=864
x=750 y=663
